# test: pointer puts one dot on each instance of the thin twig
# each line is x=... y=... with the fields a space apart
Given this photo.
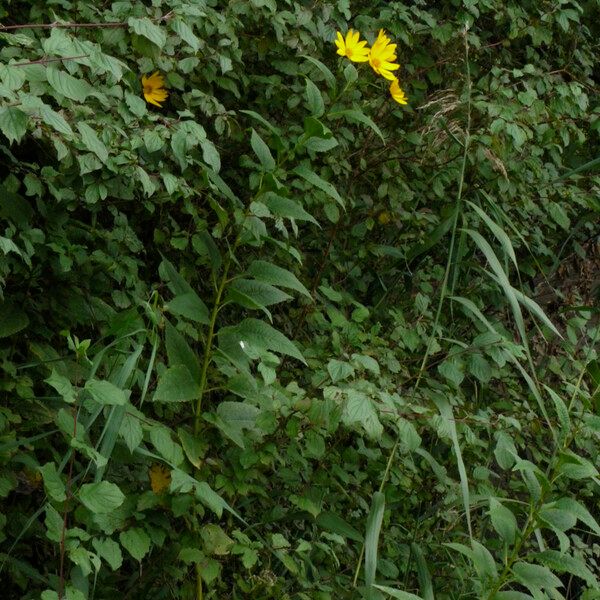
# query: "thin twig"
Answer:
x=43 y=61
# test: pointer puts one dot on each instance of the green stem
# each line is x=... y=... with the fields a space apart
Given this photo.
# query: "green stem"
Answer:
x=209 y=341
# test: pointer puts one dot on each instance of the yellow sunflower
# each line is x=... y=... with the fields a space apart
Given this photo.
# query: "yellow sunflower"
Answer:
x=398 y=93
x=154 y=89
x=352 y=47
x=382 y=56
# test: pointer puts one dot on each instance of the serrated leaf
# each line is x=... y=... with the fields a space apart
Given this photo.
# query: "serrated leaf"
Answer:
x=176 y=384
x=53 y=483
x=92 y=142
x=503 y=520
x=179 y=351
x=101 y=497
x=582 y=513
x=270 y=273
x=136 y=541
x=110 y=551
x=564 y=563
x=535 y=577
x=264 y=337
x=359 y=409
x=339 y=370
x=62 y=385
x=262 y=151
x=106 y=393
x=189 y=305
x=216 y=541
x=357 y=116
x=68 y=86
x=165 y=446
x=12 y=77
x=13 y=123
x=255 y=294
x=314 y=179
x=314 y=99
x=145 y=27
x=210 y=155
x=286 y=208
x=55 y=120
x=184 y=31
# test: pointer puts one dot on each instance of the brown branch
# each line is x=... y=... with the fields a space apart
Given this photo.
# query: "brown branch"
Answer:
x=43 y=61
x=63 y=25
x=57 y=25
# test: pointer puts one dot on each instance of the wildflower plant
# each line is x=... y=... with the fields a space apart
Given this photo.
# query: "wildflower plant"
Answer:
x=381 y=56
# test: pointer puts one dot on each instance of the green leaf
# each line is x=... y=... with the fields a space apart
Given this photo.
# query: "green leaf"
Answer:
x=179 y=351
x=53 y=483
x=286 y=208
x=327 y=74
x=373 y=529
x=359 y=409
x=62 y=385
x=357 y=116
x=262 y=152
x=270 y=273
x=210 y=498
x=55 y=120
x=145 y=27
x=176 y=384
x=92 y=142
x=101 y=497
x=397 y=593
x=262 y=336
x=110 y=551
x=136 y=541
x=563 y=563
x=423 y=574
x=105 y=392
x=189 y=305
x=210 y=155
x=339 y=370
x=67 y=85
x=216 y=541
x=256 y=294
x=535 y=578
x=161 y=439
x=580 y=511
x=335 y=523
x=314 y=179
x=314 y=99
x=184 y=31
x=12 y=77
x=503 y=520
x=13 y=123
x=447 y=414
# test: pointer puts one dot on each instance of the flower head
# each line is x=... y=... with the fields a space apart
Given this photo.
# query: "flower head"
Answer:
x=154 y=89
x=351 y=47
x=382 y=56
x=398 y=93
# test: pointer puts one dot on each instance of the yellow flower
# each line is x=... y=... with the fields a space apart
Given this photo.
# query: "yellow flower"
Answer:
x=154 y=90
x=382 y=56
x=398 y=93
x=160 y=478
x=351 y=47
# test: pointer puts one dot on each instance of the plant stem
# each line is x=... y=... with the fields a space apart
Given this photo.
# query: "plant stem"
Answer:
x=433 y=335
x=209 y=341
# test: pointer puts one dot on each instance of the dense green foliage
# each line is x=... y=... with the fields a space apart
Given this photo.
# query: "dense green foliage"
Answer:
x=283 y=337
